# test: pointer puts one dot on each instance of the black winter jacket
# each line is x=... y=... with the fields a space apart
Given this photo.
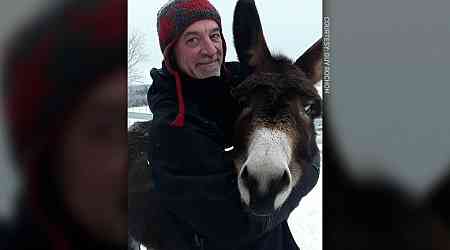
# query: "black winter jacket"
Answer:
x=196 y=182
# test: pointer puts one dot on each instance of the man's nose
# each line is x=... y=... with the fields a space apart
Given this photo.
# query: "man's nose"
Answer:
x=209 y=48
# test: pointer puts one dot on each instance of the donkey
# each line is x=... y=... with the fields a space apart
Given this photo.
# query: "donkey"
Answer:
x=274 y=134
x=143 y=204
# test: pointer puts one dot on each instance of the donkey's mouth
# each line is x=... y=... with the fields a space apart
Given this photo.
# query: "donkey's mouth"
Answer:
x=257 y=213
x=260 y=214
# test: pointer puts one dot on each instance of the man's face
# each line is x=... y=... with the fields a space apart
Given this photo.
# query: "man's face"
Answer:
x=94 y=161
x=199 y=51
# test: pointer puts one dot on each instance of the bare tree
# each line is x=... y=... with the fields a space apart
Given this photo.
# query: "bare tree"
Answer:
x=136 y=55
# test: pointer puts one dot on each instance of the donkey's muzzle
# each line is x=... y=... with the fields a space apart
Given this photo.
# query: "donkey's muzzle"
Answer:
x=261 y=193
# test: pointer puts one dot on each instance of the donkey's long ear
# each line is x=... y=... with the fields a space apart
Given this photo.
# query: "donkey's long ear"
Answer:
x=311 y=61
x=249 y=41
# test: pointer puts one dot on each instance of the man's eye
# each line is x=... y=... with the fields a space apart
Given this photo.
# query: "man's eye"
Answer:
x=215 y=37
x=192 y=41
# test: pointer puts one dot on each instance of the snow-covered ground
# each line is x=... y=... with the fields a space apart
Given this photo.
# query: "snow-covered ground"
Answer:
x=133 y=117
x=142 y=109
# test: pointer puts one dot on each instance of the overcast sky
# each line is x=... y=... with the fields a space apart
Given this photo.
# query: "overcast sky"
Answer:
x=290 y=26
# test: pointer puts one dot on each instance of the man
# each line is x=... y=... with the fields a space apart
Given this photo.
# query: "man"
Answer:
x=193 y=116
x=66 y=97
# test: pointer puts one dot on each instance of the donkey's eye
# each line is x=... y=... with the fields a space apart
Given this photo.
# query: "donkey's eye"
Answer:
x=307 y=108
x=312 y=108
x=307 y=105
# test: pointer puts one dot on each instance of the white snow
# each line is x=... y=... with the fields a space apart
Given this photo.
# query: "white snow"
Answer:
x=141 y=109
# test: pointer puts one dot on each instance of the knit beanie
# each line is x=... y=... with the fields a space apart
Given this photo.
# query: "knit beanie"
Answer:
x=173 y=19
x=51 y=64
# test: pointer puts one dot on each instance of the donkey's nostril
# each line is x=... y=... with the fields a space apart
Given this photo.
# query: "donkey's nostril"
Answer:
x=244 y=173
x=247 y=179
x=285 y=179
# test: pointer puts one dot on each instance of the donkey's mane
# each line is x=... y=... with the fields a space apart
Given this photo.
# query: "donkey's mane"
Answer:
x=280 y=78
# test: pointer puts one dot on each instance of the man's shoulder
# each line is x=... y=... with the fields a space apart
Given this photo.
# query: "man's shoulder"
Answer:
x=159 y=73
x=162 y=82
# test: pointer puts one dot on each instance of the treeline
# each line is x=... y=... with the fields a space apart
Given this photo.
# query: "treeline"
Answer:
x=137 y=95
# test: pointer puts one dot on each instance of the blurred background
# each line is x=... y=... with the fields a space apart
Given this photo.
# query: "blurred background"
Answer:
x=387 y=136
x=14 y=14
x=388 y=101
x=62 y=70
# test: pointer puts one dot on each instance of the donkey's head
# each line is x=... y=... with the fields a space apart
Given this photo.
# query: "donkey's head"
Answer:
x=274 y=132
